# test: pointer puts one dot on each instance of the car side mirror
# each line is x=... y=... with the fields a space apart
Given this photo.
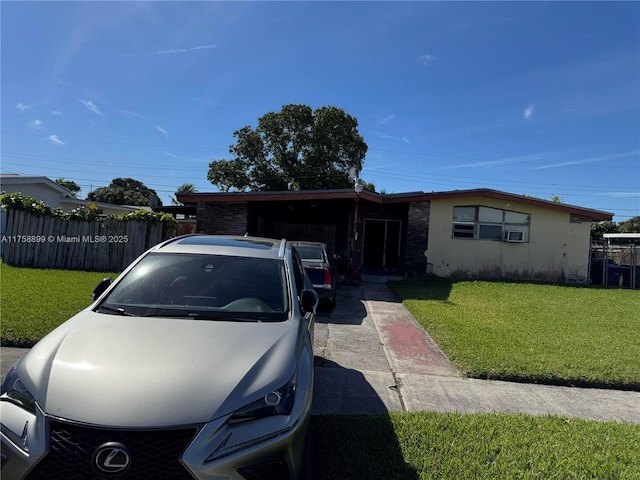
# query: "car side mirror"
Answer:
x=101 y=287
x=309 y=300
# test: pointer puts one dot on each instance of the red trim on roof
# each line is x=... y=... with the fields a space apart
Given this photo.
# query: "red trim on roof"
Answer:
x=292 y=196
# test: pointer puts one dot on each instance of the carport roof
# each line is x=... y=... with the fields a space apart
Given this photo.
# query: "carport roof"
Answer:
x=302 y=195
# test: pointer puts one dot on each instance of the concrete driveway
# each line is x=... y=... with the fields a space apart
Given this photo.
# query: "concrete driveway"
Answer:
x=373 y=357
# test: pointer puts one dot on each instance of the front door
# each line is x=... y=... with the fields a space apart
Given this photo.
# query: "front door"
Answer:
x=381 y=244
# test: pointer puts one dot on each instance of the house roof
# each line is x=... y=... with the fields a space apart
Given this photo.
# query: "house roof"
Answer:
x=15 y=180
x=301 y=195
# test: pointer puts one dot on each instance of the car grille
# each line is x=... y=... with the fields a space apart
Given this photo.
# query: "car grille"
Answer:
x=155 y=454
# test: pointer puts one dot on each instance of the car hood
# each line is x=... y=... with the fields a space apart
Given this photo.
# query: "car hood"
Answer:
x=147 y=372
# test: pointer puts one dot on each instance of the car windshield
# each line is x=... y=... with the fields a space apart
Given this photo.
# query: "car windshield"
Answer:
x=204 y=287
x=311 y=253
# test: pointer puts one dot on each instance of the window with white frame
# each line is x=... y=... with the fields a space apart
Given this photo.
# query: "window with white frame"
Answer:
x=486 y=223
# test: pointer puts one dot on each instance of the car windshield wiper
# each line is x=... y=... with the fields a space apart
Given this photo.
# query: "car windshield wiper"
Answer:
x=118 y=310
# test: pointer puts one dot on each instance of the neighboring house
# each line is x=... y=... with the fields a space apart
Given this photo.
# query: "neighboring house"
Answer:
x=54 y=195
x=478 y=233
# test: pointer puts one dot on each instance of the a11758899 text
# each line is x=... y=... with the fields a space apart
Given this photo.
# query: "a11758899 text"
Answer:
x=65 y=239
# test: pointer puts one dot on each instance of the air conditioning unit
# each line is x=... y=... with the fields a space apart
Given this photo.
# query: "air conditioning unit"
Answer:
x=514 y=236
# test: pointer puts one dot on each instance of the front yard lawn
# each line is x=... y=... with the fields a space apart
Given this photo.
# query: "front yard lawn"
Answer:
x=428 y=445
x=35 y=301
x=474 y=322
x=532 y=333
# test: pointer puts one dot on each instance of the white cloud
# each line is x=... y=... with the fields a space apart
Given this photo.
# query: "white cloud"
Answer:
x=389 y=137
x=385 y=120
x=162 y=131
x=55 y=139
x=183 y=50
x=191 y=159
x=57 y=113
x=589 y=160
x=91 y=106
x=22 y=107
x=528 y=112
x=508 y=160
x=622 y=194
x=36 y=125
x=426 y=59
x=129 y=114
x=173 y=51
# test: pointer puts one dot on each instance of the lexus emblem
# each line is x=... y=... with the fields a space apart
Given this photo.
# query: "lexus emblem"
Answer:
x=112 y=459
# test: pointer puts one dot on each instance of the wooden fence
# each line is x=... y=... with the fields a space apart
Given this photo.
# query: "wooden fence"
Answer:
x=100 y=246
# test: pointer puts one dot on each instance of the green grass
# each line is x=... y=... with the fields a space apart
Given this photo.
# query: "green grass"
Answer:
x=531 y=332
x=428 y=445
x=34 y=301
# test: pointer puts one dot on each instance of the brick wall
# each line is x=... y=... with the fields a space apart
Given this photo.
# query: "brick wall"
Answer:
x=417 y=237
x=222 y=218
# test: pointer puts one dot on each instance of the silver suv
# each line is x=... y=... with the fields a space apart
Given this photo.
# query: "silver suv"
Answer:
x=197 y=362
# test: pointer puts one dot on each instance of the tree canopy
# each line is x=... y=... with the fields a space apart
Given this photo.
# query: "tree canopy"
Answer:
x=184 y=188
x=187 y=188
x=70 y=185
x=628 y=226
x=293 y=149
x=126 y=191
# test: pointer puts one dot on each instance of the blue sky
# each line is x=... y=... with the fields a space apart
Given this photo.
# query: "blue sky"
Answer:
x=535 y=98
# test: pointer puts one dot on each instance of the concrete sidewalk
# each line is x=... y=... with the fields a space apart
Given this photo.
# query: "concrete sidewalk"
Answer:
x=373 y=357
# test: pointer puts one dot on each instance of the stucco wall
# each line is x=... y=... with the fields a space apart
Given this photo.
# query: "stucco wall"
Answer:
x=38 y=191
x=557 y=249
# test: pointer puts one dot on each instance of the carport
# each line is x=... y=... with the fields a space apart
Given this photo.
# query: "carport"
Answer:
x=381 y=240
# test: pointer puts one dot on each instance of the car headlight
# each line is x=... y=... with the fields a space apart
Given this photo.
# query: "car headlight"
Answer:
x=278 y=402
x=15 y=391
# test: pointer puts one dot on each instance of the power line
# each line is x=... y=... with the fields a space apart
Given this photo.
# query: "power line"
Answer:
x=217 y=147
x=412 y=176
x=128 y=144
x=94 y=183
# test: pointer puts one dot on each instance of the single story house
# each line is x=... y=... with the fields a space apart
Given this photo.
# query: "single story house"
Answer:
x=55 y=195
x=480 y=233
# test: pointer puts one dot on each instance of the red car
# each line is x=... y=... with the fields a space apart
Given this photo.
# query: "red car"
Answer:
x=321 y=268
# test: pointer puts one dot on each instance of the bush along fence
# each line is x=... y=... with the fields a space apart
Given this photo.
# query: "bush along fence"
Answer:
x=41 y=237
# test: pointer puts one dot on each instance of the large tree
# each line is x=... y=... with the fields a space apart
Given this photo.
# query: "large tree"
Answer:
x=70 y=185
x=630 y=226
x=600 y=228
x=126 y=191
x=293 y=149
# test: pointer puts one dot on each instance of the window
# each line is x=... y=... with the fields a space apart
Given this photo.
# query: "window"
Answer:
x=487 y=223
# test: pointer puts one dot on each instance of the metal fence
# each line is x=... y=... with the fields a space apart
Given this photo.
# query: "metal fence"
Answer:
x=101 y=246
x=615 y=265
